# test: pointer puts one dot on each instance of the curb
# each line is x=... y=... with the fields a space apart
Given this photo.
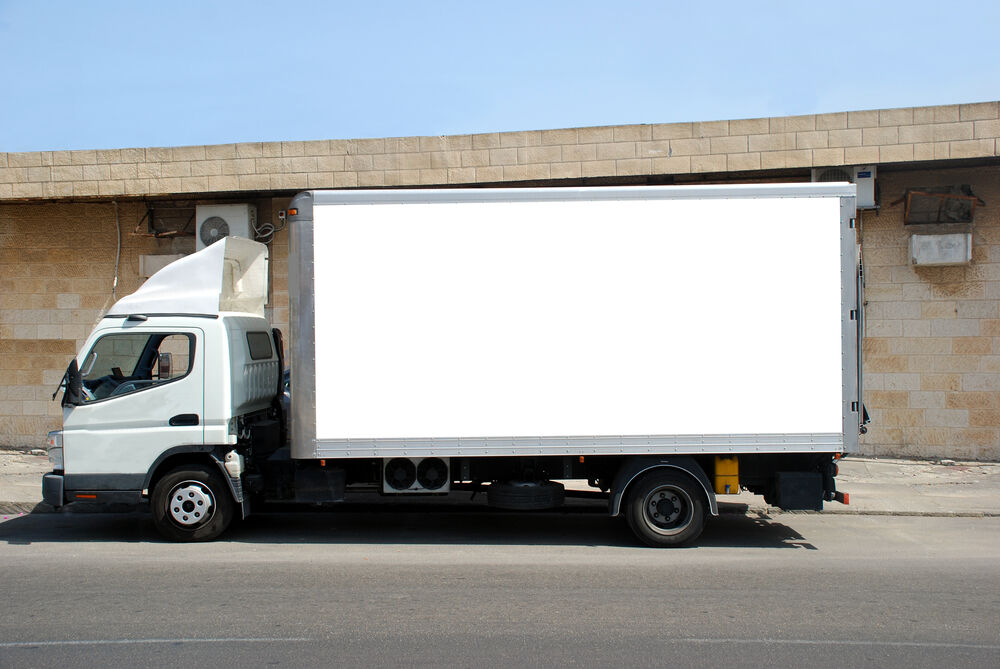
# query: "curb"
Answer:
x=875 y=512
x=22 y=508
x=35 y=508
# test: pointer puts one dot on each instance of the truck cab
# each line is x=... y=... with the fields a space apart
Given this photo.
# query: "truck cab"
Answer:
x=167 y=384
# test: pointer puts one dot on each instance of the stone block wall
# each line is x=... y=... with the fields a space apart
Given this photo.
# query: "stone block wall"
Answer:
x=931 y=346
x=932 y=340
x=57 y=269
x=743 y=145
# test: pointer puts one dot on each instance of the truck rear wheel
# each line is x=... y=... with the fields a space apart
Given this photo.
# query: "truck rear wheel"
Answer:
x=665 y=508
x=191 y=503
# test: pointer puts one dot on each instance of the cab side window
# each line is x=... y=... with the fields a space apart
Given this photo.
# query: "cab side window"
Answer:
x=259 y=344
x=120 y=364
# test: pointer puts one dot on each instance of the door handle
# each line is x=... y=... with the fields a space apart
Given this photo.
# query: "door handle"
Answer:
x=184 y=419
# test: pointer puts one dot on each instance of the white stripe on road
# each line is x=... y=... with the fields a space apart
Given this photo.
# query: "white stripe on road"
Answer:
x=787 y=642
x=843 y=642
x=125 y=642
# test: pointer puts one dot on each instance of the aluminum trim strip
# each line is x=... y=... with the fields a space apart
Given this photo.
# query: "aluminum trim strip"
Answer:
x=733 y=191
x=849 y=345
x=582 y=445
x=302 y=335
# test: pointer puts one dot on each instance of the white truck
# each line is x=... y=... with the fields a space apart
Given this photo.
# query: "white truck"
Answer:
x=664 y=344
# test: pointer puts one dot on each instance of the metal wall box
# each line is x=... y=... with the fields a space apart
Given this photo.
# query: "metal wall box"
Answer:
x=936 y=250
x=942 y=204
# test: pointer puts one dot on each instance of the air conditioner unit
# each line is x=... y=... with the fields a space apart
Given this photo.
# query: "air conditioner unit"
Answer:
x=415 y=475
x=863 y=176
x=215 y=221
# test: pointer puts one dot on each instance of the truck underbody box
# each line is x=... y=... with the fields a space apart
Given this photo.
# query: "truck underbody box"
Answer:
x=319 y=485
x=799 y=491
x=265 y=435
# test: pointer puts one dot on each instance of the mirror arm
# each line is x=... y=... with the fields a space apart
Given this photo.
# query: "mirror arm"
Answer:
x=62 y=384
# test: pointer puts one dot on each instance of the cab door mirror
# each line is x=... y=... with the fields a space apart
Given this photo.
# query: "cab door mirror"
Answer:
x=164 y=363
x=74 y=386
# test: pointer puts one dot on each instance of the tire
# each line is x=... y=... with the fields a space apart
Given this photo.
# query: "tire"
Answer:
x=192 y=503
x=526 y=495
x=666 y=508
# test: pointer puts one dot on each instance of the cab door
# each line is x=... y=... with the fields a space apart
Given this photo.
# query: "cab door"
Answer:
x=143 y=390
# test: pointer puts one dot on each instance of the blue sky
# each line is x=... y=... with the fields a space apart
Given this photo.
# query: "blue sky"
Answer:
x=102 y=74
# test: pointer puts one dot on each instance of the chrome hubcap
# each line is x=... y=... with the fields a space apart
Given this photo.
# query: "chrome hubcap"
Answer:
x=191 y=503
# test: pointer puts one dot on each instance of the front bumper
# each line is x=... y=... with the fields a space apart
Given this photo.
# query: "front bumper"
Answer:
x=54 y=493
x=52 y=489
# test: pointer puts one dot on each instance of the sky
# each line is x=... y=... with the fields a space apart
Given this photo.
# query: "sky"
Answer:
x=114 y=74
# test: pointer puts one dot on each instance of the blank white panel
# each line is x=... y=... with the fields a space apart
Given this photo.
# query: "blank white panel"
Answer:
x=656 y=317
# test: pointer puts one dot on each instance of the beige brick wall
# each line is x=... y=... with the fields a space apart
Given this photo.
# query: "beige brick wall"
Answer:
x=57 y=266
x=816 y=140
x=932 y=345
x=277 y=309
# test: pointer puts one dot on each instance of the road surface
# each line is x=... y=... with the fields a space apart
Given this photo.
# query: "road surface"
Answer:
x=442 y=586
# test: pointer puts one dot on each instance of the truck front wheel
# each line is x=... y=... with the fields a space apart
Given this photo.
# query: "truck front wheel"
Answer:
x=191 y=503
x=665 y=508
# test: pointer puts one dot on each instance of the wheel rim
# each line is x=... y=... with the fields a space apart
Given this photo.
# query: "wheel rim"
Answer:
x=667 y=510
x=191 y=503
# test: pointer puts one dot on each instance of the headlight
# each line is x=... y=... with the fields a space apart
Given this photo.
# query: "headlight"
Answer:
x=54 y=442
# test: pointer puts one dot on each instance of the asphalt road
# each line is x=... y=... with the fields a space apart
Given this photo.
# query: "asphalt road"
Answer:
x=479 y=588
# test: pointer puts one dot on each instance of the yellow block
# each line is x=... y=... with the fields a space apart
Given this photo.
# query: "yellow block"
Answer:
x=727 y=475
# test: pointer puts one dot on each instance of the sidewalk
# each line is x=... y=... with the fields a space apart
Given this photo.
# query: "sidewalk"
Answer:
x=887 y=486
x=876 y=487
x=21 y=482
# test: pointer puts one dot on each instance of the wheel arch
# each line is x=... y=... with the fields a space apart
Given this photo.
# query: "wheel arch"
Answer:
x=633 y=468
x=180 y=456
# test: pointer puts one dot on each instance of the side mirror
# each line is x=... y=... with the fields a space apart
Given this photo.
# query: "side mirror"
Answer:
x=164 y=364
x=74 y=386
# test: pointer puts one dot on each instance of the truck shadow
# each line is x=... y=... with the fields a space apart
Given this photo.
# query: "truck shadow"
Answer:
x=569 y=527
x=576 y=524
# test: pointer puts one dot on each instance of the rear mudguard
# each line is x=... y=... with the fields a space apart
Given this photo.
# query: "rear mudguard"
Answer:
x=636 y=467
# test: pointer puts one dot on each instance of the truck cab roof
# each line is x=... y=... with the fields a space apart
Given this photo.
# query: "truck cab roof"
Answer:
x=230 y=276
